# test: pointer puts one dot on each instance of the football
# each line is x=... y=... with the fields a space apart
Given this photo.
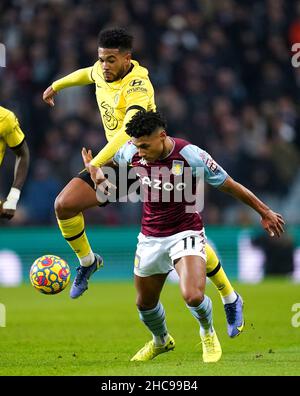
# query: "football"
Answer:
x=50 y=274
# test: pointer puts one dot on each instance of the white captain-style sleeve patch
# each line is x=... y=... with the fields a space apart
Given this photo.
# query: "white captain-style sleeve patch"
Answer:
x=125 y=154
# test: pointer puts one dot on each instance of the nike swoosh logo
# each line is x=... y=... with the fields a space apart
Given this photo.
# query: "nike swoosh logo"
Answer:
x=240 y=328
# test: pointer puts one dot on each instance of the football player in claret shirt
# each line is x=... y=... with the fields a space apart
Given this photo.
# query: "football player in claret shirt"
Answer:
x=172 y=237
x=122 y=89
x=12 y=136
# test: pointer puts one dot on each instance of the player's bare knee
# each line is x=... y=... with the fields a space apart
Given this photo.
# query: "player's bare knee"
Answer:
x=58 y=206
x=144 y=305
x=193 y=298
x=63 y=207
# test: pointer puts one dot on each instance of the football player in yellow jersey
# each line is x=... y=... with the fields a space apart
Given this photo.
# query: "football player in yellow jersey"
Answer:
x=122 y=89
x=12 y=136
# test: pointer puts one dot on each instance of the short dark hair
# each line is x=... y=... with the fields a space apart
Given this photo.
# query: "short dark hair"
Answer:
x=144 y=123
x=115 y=38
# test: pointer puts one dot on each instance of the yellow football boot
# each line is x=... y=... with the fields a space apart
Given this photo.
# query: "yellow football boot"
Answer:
x=150 y=351
x=211 y=348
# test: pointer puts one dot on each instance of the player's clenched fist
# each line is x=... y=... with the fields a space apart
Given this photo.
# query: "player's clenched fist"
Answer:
x=48 y=96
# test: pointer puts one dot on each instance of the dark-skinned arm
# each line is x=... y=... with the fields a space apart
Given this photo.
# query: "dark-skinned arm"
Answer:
x=9 y=206
x=21 y=165
x=102 y=181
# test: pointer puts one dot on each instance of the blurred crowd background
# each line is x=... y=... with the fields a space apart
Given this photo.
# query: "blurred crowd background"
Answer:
x=222 y=74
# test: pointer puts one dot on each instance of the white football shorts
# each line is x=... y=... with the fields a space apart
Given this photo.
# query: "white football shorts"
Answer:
x=156 y=255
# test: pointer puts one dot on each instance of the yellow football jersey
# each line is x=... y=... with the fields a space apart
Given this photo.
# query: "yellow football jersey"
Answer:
x=11 y=134
x=118 y=101
x=116 y=98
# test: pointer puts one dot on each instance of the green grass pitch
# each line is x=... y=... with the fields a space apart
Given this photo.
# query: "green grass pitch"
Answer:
x=98 y=333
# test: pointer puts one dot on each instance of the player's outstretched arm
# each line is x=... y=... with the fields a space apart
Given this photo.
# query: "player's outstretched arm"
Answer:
x=79 y=77
x=272 y=222
x=8 y=208
x=96 y=173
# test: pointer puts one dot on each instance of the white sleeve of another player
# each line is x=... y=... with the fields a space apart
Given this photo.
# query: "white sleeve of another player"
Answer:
x=125 y=154
x=199 y=160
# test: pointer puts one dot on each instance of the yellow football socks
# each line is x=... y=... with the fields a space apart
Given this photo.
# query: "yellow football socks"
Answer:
x=216 y=274
x=74 y=233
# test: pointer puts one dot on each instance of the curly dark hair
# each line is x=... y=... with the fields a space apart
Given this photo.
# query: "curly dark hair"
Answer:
x=115 y=38
x=144 y=123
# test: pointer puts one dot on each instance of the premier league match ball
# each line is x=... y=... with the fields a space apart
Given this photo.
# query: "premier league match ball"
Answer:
x=50 y=274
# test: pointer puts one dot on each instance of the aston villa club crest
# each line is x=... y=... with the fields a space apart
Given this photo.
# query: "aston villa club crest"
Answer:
x=177 y=167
